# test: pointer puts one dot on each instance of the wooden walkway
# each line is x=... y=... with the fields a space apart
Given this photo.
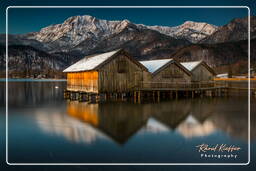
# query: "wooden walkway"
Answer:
x=181 y=86
x=153 y=91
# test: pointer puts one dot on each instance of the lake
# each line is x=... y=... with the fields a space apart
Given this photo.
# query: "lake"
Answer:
x=46 y=128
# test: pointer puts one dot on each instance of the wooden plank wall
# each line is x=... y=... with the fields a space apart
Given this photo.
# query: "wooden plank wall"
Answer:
x=201 y=73
x=83 y=81
x=172 y=73
x=114 y=78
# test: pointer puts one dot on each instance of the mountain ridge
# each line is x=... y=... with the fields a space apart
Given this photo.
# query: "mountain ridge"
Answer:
x=79 y=36
x=95 y=25
x=235 y=30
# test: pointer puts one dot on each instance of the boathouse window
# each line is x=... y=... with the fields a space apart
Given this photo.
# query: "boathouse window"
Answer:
x=121 y=68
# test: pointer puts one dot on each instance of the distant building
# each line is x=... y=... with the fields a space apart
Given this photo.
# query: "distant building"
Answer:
x=167 y=70
x=224 y=75
x=200 y=70
x=114 y=71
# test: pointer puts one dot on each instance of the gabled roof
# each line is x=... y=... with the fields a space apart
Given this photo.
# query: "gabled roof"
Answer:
x=93 y=62
x=191 y=65
x=90 y=62
x=155 y=66
x=194 y=64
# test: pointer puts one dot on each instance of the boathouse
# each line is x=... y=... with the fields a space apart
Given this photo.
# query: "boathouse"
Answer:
x=114 y=71
x=200 y=71
x=166 y=71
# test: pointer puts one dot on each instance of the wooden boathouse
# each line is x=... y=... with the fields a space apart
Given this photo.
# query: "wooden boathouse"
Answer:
x=106 y=73
x=165 y=71
x=117 y=75
x=200 y=71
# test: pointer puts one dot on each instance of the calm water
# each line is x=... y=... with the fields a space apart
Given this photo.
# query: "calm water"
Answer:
x=43 y=127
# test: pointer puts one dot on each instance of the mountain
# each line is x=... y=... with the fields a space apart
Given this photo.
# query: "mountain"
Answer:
x=83 y=34
x=78 y=29
x=57 y=46
x=142 y=44
x=221 y=56
x=26 y=61
x=22 y=40
x=191 y=31
x=235 y=30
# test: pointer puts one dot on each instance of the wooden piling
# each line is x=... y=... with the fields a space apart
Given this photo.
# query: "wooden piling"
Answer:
x=158 y=96
x=97 y=97
x=66 y=94
x=134 y=96
x=73 y=96
x=171 y=95
x=154 y=94
x=187 y=94
x=139 y=96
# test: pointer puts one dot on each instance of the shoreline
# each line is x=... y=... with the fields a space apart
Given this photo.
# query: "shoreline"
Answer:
x=31 y=79
x=234 y=79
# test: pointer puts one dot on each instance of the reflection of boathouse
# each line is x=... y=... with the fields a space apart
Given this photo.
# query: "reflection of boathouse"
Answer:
x=119 y=122
x=168 y=115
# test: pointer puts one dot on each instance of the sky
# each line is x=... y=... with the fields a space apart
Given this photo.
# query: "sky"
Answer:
x=30 y=20
x=24 y=20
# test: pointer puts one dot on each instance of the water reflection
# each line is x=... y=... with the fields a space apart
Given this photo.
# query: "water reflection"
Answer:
x=26 y=93
x=171 y=113
x=119 y=122
x=70 y=128
x=118 y=132
x=191 y=127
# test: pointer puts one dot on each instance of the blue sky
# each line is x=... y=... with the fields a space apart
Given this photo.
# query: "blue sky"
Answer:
x=28 y=20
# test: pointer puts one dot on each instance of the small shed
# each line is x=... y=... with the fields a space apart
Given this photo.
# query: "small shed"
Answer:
x=167 y=70
x=200 y=70
x=114 y=71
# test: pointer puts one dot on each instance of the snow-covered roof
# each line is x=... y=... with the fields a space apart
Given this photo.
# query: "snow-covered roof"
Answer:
x=154 y=65
x=190 y=65
x=90 y=62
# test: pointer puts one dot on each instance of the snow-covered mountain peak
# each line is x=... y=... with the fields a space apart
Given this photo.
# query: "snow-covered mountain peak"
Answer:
x=190 y=30
x=199 y=26
x=82 y=19
x=78 y=29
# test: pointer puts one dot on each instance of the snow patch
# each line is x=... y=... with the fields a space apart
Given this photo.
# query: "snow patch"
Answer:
x=154 y=65
x=89 y=63
x=191 y=65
